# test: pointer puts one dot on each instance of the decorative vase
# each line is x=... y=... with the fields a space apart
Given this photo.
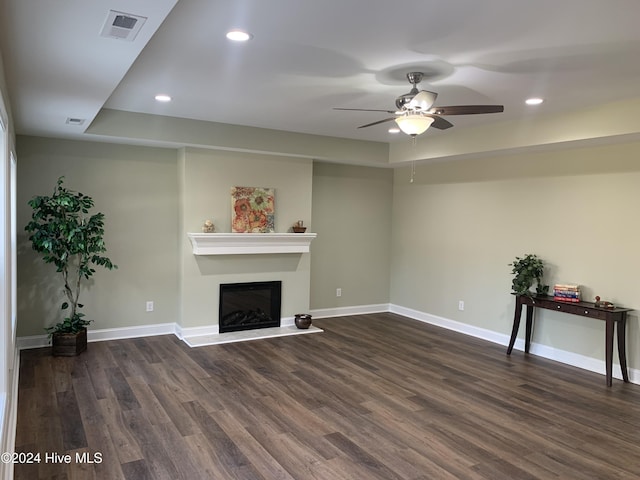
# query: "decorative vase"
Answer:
x=299 y=227
x=69 y=344
x=303 y=320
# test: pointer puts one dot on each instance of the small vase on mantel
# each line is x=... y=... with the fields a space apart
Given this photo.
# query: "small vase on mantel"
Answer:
x=299 y=227
x=303 y=320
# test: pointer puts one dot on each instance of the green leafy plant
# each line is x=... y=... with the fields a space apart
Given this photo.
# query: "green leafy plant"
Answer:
x=64 y=233
x=527 y=271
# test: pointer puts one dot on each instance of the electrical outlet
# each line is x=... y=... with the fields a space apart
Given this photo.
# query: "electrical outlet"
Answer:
x=149 y=306
x=461 y=305
x=338 y=292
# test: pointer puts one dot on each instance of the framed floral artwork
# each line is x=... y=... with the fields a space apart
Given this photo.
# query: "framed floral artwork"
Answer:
x=252 y=210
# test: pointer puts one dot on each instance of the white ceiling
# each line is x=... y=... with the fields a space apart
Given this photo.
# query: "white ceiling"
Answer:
x=308 y=56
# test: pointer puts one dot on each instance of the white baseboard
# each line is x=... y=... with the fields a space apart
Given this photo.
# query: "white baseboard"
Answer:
x=570 y=358
x=208 y=330
x=576 y=360
x=32 y=341
x=346 y=311
x=131 y=332
x=248 y=335
x=477 y=332
x=183 y=333
x=37 y=341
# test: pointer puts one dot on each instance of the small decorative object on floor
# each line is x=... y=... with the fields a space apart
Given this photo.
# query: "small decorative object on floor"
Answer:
x=303 y=320
x=208 y=227
x=299 y=227
x=603 y=303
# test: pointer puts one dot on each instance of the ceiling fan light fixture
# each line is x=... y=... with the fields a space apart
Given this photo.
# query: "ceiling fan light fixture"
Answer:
x=414 y=124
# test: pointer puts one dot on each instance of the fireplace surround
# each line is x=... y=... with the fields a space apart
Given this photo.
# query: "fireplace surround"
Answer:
x=251 y=305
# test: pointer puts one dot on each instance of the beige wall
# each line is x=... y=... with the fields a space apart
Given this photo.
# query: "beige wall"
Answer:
x=607 y=123
x=460 y=224
x=352 y=215
x=206 y=180
x=136 y=189
x=152 y=197
x=448 y=236
x=220 y=136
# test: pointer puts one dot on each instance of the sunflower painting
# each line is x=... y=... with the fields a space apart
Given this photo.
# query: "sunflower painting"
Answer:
x=252 y=210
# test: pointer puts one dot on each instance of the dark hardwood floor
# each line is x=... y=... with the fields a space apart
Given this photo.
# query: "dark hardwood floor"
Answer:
x=373 y=397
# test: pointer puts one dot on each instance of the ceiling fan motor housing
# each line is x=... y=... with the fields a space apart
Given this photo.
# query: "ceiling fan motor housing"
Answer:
x=414 y=79
x=402 y=100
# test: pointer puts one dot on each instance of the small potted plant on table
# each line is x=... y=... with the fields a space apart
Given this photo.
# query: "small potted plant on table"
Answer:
x=63 y=232
x=527 y=271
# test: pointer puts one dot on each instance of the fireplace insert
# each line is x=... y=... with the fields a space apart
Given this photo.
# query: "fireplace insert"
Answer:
x=247 y=306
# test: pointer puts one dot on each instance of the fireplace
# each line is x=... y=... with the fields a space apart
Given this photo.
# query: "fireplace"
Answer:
x=247 y=306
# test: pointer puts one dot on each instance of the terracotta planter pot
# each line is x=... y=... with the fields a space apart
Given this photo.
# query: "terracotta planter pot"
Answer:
x=69 y=344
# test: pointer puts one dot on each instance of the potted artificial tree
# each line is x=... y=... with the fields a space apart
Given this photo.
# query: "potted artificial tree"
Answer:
x=527 y=271
x=64 y=233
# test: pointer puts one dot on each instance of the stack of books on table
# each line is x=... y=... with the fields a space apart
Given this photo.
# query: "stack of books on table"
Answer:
x=566 y=293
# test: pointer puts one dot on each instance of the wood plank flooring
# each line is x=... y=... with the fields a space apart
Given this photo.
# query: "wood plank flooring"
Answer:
x=374 y=397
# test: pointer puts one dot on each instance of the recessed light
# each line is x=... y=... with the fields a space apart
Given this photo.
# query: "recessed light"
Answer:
x=163 y=98
x=394 y=130
x=533 y=101
x=239 y=36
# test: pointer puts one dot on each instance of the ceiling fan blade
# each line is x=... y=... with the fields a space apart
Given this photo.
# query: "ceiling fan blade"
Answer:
x=378 y=122
x=440 y=123
x=365 y=110
x=466 y=109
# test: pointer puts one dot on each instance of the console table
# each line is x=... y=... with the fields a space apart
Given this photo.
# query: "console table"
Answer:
x=611 y=317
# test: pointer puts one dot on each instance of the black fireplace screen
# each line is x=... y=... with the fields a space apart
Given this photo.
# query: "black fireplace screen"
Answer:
x=245 y=306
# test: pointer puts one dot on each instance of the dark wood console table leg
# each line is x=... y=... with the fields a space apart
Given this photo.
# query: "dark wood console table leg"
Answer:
x=527 y=338
x=516 y=325
x=622 y=348
x=608 y=349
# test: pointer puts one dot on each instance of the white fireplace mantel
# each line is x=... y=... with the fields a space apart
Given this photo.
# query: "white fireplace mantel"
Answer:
x=249 y=243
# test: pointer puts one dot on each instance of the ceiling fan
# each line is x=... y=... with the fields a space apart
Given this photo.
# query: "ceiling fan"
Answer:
x=415 y=111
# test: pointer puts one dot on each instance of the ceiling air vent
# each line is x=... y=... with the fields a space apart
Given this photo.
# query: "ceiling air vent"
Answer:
x=122 y=26
x=74 y=121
